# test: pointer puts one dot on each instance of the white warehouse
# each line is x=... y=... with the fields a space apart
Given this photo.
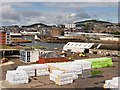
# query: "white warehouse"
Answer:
x=77 y=47
x=110 y=38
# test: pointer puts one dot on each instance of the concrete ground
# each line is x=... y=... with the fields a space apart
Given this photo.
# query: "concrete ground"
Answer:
x=84 y=81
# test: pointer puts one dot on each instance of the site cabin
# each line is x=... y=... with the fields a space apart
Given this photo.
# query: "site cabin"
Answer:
x=51 y=57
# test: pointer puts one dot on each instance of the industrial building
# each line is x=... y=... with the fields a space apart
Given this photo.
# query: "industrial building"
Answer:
x=105 y=49
x=51 y=57
x=4 y=38
x=78 y=47
x=93 y=48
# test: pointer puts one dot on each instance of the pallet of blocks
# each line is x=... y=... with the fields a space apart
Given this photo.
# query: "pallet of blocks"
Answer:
x=76 y=69
x=62 y=78
x=111 y=84
x=40 y=69
x=28 y=69
x=100 y=62
x=85 y=64
x=17 y=77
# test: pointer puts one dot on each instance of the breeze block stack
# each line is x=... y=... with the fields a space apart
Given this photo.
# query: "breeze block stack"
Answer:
x=112 y=84
x=28 y=69
x=17 y=77
x=62 y=78
x=40 y=69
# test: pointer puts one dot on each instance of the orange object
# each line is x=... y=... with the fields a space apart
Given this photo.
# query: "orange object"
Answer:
x=3 y=60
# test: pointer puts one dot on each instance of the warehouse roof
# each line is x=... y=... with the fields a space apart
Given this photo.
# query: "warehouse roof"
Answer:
x=50 y=55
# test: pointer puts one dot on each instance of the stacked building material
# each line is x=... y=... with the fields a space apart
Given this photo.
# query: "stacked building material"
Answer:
x=85 y=64
x=73 y=68
x=114 y=83
x=62 y=78
x=41 y=69
x=86 y=73
x=30 y=70
x=100 y=62
x=17 y=77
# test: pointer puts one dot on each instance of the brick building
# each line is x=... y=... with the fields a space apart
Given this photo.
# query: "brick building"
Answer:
x=4 y=38
x=56 y=32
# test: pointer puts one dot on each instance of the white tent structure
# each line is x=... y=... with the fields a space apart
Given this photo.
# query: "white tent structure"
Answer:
x=77 y=47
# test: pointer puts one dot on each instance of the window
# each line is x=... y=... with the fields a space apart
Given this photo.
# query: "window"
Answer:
x=28 y=56
x=76 y=44
x=80 y=44
x=85 y=45
x=68 y=44
x=89 y=45
x=72 y=44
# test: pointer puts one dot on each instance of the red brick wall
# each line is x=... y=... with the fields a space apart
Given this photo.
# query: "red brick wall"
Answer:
x=51 y=60
x=2 y=39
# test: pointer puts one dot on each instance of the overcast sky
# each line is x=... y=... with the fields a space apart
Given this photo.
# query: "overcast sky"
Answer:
x=26 y=13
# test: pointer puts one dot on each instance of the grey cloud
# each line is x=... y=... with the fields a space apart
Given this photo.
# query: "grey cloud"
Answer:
x=30 y=13
x=81 y=4
x=18 y=4
x=59 y=16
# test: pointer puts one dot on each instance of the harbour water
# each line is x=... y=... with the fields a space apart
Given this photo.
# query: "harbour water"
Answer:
x=48 y=45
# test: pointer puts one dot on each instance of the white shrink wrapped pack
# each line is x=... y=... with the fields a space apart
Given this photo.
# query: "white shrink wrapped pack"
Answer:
x=57 y=72
x=17 y=77
x=86 y=73
x=75 y=77
x=107 y=84
x=49 y=64
x=28 y=69
x=85 y=64
x=76 y=69
x=61 y=77
x=41 y=69
x=40 y=66
x=64 y=82
x=114 y=83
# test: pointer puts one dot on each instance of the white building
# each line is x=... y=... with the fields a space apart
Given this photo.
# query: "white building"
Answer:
x=29 y=33
x=8 y=38
x=31 y=55
x=70 y=25
x=110 y=38
x=77 y=47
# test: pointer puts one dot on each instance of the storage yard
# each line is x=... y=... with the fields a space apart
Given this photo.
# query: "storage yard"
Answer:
x=93 y=77
x=77 y=65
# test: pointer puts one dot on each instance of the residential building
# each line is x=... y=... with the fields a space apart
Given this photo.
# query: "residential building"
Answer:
x=70 y=25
